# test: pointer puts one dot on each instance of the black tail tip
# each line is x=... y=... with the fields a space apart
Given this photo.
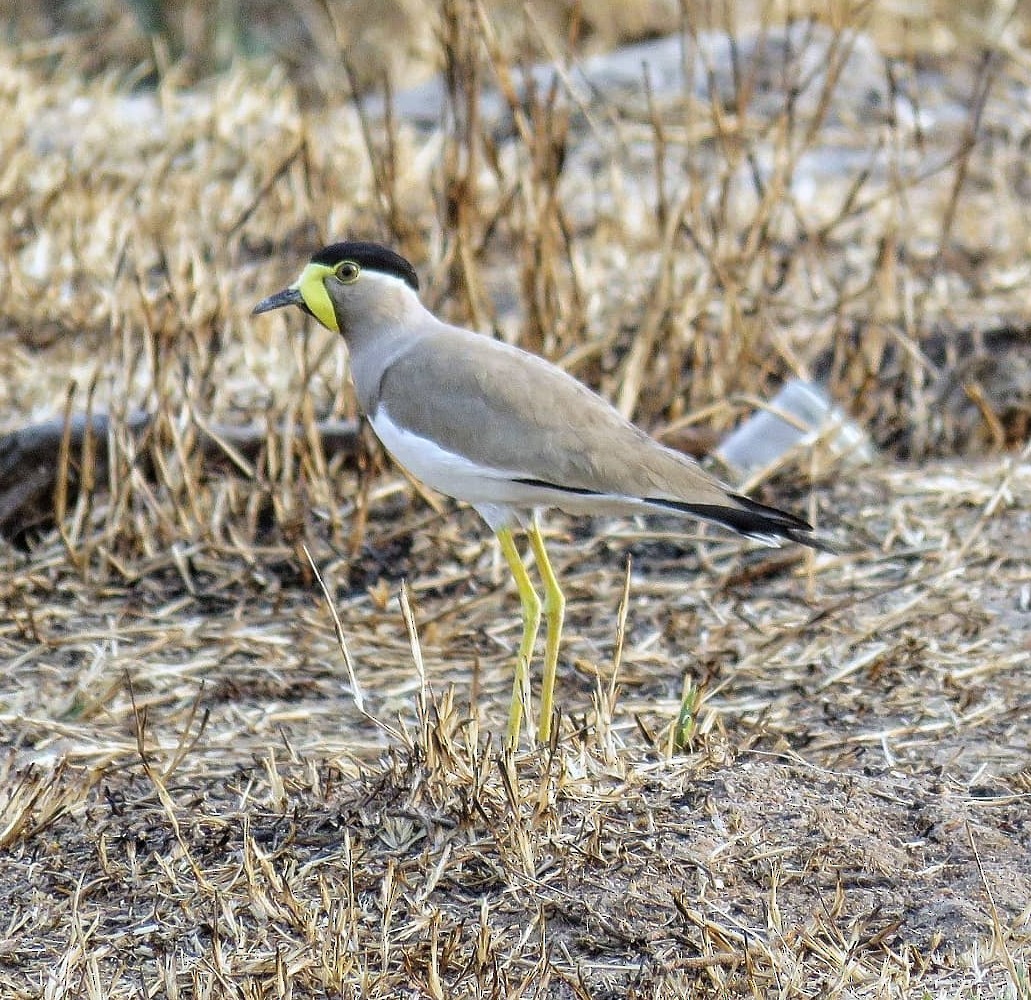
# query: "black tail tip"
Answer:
x=759 y=519
x=753 y=519
x=812 y=538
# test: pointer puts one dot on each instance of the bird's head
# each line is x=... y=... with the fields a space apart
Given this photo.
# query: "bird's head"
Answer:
x=348 y=286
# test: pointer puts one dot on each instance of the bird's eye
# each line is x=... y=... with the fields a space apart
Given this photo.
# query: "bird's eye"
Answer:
x=348 y=272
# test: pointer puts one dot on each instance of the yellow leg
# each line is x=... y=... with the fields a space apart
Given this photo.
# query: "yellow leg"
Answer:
x=531 y=623
x=554 y=612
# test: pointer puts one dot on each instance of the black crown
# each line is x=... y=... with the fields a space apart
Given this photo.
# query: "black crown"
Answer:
x=371 y=256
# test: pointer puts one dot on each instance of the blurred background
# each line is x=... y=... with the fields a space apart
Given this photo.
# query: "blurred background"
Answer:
x=397 y=37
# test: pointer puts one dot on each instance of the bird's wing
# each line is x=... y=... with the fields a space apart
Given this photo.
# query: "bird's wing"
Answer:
x=512 y=411
x=529 y=422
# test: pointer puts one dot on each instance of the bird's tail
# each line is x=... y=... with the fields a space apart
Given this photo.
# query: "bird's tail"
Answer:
x=755 y=520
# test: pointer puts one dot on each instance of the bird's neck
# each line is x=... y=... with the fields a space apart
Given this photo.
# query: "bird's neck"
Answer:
x=386 y=330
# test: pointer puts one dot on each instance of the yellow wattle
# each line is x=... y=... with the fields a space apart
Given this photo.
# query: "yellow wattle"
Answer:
x=311 y=285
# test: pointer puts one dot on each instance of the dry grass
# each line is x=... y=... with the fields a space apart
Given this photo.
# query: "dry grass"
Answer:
x=777 y=774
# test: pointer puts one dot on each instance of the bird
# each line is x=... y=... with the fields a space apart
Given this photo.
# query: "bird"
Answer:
x=506 y=431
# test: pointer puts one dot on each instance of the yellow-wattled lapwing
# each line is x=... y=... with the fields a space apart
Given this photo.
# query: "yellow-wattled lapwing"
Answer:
x=503 y=430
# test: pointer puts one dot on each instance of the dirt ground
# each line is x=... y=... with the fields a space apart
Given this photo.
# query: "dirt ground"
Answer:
x=850 y=817
x=778 y=773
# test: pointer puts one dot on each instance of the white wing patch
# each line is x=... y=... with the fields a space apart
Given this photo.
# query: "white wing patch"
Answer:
x=446 y=471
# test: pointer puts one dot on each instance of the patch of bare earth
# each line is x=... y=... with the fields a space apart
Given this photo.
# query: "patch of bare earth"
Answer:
x=195 y=799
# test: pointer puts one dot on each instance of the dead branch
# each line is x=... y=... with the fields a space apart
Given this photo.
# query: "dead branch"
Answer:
x=29 y=456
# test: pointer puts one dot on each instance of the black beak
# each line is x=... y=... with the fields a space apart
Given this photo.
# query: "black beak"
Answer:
x=287 y=297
